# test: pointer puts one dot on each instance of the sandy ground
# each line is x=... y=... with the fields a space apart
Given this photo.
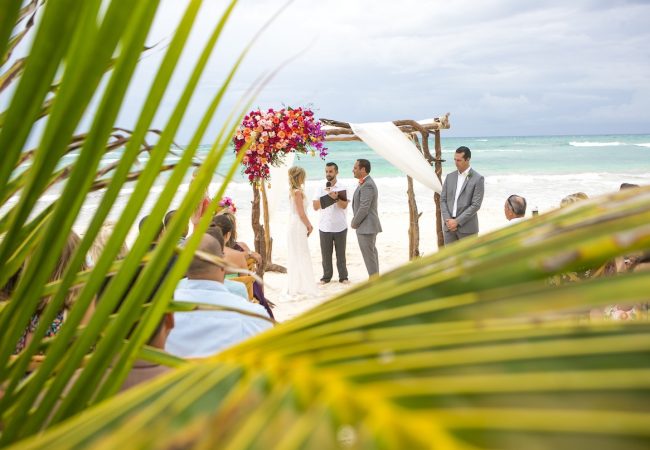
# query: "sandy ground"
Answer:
x=392 y=245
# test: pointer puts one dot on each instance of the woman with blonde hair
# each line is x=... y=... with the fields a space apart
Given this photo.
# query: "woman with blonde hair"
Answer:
x=300 y=278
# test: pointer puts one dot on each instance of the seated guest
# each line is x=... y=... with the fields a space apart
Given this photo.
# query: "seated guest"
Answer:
x=515 y=208
x=235 y=287
x=233 y=243
x=203 y=332
x=235 y=257
x=167 y=220
x=99 y=243
x=61 y=266
x=573 y=198
x=161 y=229
x=144 y=370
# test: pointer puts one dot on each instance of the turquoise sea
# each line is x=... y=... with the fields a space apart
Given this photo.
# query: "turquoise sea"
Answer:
x=543 y=169
x=508 y=155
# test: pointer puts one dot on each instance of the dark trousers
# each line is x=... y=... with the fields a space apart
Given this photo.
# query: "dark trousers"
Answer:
x=328 y=242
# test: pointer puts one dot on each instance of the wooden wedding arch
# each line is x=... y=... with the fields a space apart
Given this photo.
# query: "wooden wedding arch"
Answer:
x=337 y=131
x=419 y=132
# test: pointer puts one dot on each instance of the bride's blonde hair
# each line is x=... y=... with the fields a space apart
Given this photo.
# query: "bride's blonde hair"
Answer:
x=296 y=178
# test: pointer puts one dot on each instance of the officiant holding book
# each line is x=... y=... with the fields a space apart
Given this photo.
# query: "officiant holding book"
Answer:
x=332 y=201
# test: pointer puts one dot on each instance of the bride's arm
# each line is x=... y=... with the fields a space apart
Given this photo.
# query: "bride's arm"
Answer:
x=300 y=208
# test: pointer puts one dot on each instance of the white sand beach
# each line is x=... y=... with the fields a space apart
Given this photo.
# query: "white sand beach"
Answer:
x=542 y=192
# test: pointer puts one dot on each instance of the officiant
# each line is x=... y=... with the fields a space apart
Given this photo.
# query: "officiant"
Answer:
x=332 y=201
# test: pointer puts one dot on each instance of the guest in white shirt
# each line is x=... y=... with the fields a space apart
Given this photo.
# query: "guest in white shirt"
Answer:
x=204 y=332
x=333 y=225
x=515 y=208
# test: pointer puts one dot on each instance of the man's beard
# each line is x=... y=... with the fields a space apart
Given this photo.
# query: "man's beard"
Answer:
x=329 y=177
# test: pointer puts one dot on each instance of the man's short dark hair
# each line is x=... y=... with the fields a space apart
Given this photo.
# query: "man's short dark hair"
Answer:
x=365 y=164
x=141 y=223
x=209 y=245
x=216 y=233
x=332 y=164
x=467 y=153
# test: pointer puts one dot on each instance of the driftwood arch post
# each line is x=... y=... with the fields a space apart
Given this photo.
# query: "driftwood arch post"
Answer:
x=262 y=231
x=342 y=131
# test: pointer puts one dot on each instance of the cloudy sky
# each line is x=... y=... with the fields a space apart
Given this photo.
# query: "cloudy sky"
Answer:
x=500 y=67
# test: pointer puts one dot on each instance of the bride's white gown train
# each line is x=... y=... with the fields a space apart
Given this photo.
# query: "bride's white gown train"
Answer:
x=300 y=279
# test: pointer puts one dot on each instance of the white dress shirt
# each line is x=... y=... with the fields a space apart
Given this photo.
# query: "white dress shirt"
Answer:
x=333 y=218
x=459 y=186
x=204 y=333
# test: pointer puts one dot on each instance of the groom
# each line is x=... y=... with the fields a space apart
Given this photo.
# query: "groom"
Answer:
x=366 y=219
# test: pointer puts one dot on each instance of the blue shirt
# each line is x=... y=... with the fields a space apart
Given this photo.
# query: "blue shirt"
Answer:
x=234 y=287
x=204 y=333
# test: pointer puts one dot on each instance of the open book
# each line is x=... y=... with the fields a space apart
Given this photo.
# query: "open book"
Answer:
x=327 y=201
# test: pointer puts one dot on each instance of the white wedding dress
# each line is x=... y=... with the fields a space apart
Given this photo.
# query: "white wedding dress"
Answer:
x=300 y=279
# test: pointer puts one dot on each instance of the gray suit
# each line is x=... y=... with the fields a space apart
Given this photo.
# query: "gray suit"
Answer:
x=366 y=222
x=469 y=202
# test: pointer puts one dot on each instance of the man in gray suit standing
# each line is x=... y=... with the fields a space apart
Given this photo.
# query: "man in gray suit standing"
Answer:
x=366 y=219
x=461 y=198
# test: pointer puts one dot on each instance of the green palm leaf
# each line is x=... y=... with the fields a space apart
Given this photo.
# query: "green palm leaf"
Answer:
x=469 y=347
x=444 y=362
x=122 y=30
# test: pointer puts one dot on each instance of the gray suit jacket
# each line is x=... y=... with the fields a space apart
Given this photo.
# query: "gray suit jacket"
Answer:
x=469 y=200
x=364 y=208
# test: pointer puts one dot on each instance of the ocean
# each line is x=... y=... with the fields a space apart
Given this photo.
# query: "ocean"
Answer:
x=510 y=155
x=543 y=169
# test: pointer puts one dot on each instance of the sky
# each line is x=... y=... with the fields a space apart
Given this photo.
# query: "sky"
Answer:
x=500 y=67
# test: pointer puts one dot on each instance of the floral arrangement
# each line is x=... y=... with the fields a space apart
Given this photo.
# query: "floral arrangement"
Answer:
x=276 y=133
x=227 y=203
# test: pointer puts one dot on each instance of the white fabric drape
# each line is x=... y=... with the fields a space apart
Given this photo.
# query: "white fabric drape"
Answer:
x=393 y=145
x=278 y=193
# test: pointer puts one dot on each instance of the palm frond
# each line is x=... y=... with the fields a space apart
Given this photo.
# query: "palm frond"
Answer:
x=433 y=354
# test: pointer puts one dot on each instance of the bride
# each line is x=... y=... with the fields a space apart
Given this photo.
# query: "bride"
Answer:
x=299 y=270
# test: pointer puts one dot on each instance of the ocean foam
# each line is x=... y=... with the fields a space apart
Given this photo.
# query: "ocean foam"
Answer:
x=647 y=144
x=595 y=144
